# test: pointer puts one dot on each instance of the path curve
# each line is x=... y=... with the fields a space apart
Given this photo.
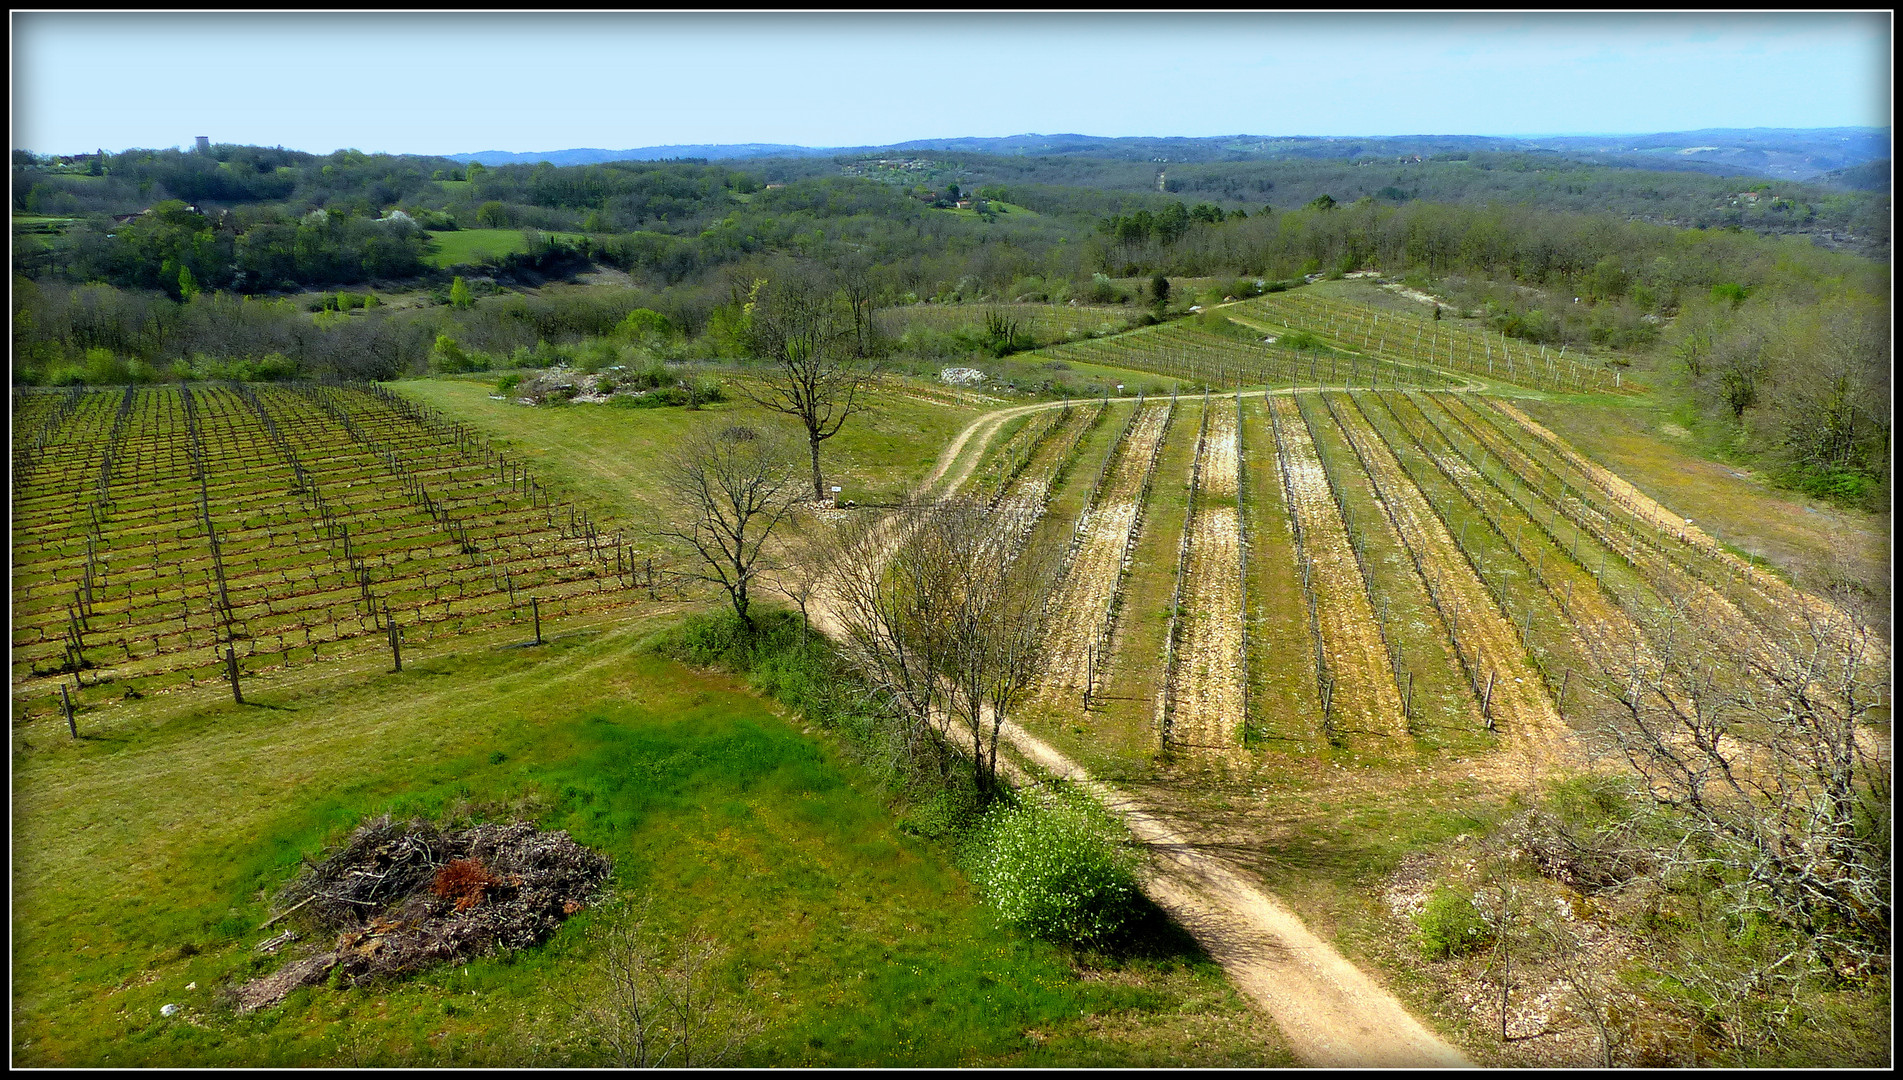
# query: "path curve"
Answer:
x=1332 y=1013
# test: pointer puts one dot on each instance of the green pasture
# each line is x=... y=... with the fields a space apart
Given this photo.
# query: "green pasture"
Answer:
x=463 y=246
x=144 y=861
x=609 y=457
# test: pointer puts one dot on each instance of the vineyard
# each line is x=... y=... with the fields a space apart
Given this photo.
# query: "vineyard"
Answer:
x=170 y=536
x=1380 y=571
x=1220 y=362
x=1411 y=341
x=1042 y=322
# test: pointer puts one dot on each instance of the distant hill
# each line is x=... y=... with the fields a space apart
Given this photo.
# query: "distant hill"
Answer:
x=588 y=156
x=1869 y=176
x=1781 y=153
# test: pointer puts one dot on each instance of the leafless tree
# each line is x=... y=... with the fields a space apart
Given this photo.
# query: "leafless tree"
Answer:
x=1775 y=753
x=801 y=326
x=733 y=485
x=1504 y=906
x=945 y=609
x=885 y=590
x=996 y=598
x=656 y=1002
x=857 y=291
x=804 y=565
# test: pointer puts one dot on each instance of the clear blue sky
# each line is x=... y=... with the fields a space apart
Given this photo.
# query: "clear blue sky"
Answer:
x=449 y=83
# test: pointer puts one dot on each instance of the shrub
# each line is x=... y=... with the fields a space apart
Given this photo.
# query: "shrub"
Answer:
x=103 y=368
x=1302 y=339
x=649 y=376
x=508 y=383
x=1451 y=925
x=448 y=358
x=1102 y=290
x=643 y=324
x=1056 y=870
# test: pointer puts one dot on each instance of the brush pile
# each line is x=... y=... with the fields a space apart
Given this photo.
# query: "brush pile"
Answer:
x=402 y=896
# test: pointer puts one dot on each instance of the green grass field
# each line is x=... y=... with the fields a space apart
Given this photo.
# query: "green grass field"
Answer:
x=143 y=862
x=463 y=246
x=609 y=456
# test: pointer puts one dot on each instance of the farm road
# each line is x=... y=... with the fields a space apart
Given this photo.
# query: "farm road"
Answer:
x=1332 y=1012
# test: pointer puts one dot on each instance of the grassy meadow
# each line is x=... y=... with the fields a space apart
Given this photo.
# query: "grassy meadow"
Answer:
x=145 y=856
x=609 y=455
x=462 y=246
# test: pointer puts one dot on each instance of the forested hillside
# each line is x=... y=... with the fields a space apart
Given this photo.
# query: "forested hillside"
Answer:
x=1764 y=301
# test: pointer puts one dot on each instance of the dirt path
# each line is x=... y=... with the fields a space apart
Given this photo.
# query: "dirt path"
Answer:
x=1097 y=570
x=1331 y=1012
x=1366 y=702
x=1208 y=711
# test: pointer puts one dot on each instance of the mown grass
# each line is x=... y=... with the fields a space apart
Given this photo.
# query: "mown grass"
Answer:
x=144 y=862
x=609 y=458
x=462 y=246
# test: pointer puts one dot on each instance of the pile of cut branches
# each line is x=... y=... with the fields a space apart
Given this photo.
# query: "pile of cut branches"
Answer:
x=401 y=896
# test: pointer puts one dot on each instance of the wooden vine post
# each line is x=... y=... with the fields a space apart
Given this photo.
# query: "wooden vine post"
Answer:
x=535 y=607
x=66 y=704
x=231 y=669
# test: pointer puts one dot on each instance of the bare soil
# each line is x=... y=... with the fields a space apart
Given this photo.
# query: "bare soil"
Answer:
x=1208 y=711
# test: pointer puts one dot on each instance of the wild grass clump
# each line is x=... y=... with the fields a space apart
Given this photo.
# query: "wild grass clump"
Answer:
x=782 y=658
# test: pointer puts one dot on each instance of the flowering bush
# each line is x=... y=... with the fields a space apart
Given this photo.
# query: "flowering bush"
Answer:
x=1058 y=869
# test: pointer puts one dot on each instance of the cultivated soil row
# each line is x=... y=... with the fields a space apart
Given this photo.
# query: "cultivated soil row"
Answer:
x=1096 y=571
x=1208 y=712
x=1518 y=705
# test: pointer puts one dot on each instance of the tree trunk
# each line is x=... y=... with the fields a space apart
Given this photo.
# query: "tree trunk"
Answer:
x=819 y=483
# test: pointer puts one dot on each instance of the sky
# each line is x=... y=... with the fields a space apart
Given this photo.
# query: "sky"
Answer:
x=444 y=83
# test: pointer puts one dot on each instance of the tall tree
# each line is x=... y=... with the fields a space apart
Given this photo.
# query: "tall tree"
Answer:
x=732 y=487
x=801 y=328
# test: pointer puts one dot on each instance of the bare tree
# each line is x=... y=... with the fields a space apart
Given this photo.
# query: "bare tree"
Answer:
x=1775 y=755
x=946 y=611
x=886 y=591
x=807 y=333
x=857 y=291
x=733 y=485
x=656 y=1002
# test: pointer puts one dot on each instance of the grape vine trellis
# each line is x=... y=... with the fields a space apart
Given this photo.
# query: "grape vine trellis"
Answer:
x=160 y=530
